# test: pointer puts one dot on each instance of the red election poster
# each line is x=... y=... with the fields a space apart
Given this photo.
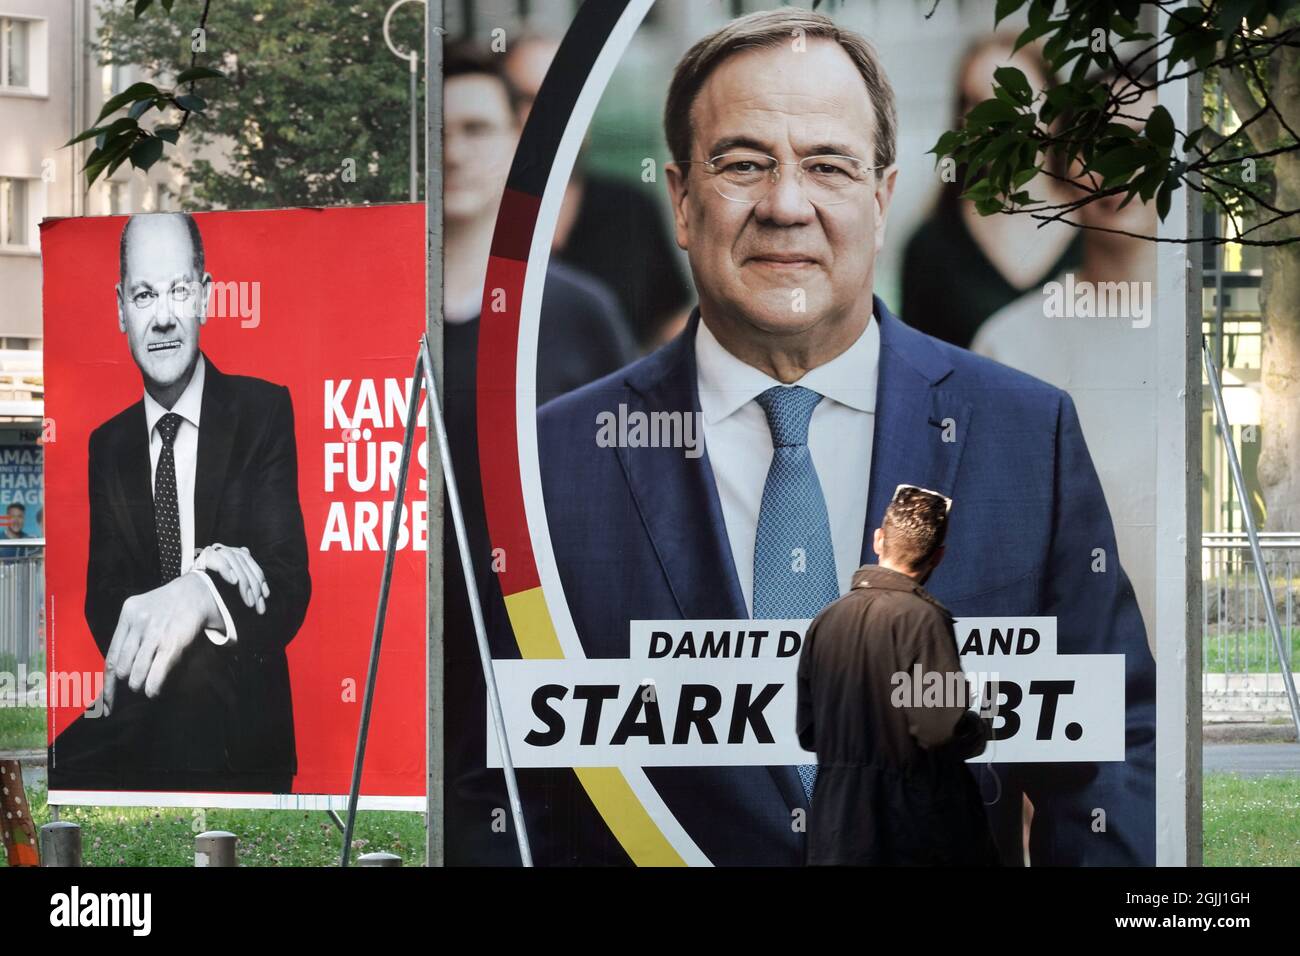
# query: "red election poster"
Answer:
x=228 y=393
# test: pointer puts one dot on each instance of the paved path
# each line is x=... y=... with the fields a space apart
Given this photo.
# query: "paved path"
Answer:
x=1253 y=760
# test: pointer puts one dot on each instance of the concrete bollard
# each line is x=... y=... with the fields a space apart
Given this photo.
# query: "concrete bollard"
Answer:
x=61 y=844
x=215 y=848
x=379 y=859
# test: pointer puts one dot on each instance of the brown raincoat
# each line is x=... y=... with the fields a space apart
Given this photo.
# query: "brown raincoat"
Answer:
x=892 y=786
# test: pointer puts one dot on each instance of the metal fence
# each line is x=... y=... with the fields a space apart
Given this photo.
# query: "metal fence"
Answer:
x=1241 y=669
x=22 y=601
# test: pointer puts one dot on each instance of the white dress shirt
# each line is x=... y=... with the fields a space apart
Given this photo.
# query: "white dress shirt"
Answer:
x=185 y=450
x=840 y=436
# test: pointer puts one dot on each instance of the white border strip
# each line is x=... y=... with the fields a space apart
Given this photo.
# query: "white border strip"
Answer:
x=227 y=801
x=530 y=475
x=1177 y=550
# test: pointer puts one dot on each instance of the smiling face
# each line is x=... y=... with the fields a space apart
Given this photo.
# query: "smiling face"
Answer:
x=755 y=265
x=162 y=301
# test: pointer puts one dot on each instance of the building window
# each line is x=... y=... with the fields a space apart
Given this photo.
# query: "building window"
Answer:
x=117 y=199
x=112 y=80
x=162 y=201
x=13 y=213
x=15 y=54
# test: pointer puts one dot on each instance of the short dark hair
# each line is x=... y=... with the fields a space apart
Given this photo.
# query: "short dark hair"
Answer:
x=192 y=227
x=16 y=504
x=770 y=28
x=464 y=58
x=914 y=525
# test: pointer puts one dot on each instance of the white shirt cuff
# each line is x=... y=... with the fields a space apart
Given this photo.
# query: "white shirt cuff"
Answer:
x=215 y=636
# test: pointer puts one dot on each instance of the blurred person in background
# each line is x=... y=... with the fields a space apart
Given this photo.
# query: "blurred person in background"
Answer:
x=1094 y=348
x=960 y=267
x=598 y=216
x=582 y=337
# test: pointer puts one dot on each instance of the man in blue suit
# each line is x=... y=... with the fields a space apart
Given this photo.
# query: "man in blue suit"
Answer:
x=815 y=403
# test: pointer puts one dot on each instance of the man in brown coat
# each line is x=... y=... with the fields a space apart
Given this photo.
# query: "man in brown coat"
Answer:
x=892 y=784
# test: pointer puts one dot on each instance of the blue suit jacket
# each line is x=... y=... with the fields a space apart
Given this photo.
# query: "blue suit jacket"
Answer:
x=639 y=534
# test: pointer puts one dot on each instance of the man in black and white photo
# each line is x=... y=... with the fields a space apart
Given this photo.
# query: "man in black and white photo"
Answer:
x=197 y=576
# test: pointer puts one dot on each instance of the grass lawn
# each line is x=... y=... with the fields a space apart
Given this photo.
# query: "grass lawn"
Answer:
x=1248 y=651
x=22 y=728
x=1251 y=821
x=164 y=836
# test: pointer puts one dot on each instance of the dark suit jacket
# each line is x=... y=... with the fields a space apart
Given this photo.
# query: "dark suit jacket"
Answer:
x=638 y=534
x=224 y=711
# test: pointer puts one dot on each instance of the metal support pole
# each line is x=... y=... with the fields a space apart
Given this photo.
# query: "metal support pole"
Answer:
x=61 y=844
x=424 y=375
x=381 y=612
x=476 y=610
x=1248 y=519
x=216 y=848
x=413 y=60
x=415 y=136
x=435 y=664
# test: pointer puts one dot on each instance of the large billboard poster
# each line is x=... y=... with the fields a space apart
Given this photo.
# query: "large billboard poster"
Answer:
x=656 y=553
x=229 y=395
x=679 y=398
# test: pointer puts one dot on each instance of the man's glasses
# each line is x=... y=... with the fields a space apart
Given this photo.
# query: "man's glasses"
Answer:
x=180 y=294
x=748 y=177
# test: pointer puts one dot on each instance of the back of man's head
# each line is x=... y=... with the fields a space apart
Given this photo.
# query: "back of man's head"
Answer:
x=913 y=528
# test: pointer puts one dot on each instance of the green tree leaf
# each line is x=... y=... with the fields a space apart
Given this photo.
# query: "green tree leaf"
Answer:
x=146 y=152
x=136 y=91
x=199 y=73
x=992 y=111
x=1014 y=82
x=1160 y=128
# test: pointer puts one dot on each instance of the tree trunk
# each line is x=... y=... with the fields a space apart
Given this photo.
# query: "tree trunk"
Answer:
x=1279 y=461
x=1279 y=453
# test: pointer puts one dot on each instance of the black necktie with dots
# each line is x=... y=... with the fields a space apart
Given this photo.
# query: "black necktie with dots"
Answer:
x=166 y=507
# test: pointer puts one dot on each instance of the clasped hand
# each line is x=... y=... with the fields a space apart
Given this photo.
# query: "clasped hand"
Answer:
x=154 y=628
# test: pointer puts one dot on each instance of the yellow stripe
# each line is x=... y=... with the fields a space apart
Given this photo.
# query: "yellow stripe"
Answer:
x=609 y=790
x=532 y=624
x=627 y=818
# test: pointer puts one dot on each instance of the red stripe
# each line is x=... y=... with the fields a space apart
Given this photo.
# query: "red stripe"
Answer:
x=498 y=440
x=516 y=223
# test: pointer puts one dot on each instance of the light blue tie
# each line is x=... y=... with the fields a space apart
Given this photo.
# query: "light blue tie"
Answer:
x=794 y=562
